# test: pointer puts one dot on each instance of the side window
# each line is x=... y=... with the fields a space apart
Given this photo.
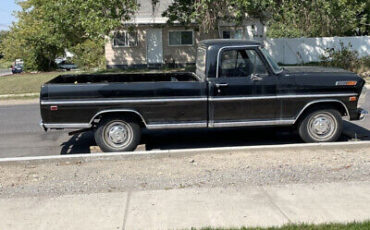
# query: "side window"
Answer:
x=201 y=62
x=241 y=63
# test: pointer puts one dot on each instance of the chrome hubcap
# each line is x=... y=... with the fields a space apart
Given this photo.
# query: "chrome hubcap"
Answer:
x=322 y=126
x=118 y=134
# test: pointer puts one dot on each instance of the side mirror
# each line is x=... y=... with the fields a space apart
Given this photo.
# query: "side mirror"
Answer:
x=255 y=77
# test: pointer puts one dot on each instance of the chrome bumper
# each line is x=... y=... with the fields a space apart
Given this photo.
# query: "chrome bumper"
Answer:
x=43 y=126
x=60 y=126
x=362 y=114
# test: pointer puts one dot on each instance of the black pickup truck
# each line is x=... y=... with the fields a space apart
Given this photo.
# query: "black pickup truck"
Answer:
x=236 y=84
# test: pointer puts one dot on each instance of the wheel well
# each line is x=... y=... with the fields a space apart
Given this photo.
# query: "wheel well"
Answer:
x=322 y=105
x=124 y=114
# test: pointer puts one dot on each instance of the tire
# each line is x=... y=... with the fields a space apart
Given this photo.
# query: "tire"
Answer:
x=117 y=134
x=324 y=125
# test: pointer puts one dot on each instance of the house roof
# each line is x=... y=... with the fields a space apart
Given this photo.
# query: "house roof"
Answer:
x=149 y=13
x=228 y=42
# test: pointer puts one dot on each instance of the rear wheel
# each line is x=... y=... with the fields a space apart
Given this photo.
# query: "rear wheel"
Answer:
x=115 y=134
x=321 y=126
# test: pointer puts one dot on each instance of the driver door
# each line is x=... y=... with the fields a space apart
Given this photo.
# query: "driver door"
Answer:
x=244 y=90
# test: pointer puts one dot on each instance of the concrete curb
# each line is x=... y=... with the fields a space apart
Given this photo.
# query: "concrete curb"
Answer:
x=183 y=152
x=19 y=95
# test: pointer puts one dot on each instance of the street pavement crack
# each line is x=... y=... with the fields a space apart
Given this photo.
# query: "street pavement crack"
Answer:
x=274 y=204
x=127 y=206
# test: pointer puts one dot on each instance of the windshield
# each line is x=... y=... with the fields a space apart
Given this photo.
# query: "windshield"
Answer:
x=271 y=61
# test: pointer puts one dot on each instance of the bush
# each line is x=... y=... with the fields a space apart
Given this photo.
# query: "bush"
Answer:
x=346 y=58
x=89 y=55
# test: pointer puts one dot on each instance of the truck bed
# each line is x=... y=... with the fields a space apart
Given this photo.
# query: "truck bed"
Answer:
x=122 y=78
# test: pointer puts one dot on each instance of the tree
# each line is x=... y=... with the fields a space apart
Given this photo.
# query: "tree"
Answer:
x=209 y=13
x=3 y=34
x=319 y=18
x=45 y=28
x=285 y=18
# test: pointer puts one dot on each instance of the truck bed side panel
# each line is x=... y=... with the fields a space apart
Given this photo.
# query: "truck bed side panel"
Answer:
x=157 y=102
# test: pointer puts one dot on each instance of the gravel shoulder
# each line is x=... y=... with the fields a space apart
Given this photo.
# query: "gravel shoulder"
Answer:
x=188 y=170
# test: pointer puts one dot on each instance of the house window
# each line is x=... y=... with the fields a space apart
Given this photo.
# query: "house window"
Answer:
x=235 y=34
x=178 y=38
x=125 y=39
x=226 y=34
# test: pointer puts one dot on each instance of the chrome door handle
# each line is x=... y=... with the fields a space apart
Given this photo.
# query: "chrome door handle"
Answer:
x=219 y=85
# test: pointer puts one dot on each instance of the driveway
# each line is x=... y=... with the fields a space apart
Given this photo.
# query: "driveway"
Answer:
x=20 y=135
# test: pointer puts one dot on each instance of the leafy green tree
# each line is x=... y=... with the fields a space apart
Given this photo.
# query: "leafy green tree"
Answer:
x=319 y=18
x=285 y=18
x=3 y=34
x=89 y=54
x=209 y=13
x=45 y=28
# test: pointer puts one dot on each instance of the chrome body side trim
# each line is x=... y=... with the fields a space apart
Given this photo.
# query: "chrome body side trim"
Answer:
x=279 y=97
x=180 y=125
x=247 y=123
x=118 y=111
x=204 y=99
x=120 y=101
x=321 y=101
x=67 y=125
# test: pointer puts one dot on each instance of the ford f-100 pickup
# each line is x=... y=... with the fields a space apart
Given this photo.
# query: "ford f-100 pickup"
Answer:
x=236 y=84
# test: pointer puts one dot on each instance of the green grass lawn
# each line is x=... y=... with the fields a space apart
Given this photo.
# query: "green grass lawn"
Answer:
x=5 y=64
x=24 y=83
x=350 y=226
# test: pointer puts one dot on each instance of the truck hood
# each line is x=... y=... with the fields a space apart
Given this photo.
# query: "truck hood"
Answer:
x=319 y=72
x=315 y=76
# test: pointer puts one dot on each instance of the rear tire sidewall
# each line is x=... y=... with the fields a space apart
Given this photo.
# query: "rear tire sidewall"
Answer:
x=100 y=134
x=306 y=135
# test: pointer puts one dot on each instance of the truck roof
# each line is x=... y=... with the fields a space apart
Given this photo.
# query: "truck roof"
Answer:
x=228 y=42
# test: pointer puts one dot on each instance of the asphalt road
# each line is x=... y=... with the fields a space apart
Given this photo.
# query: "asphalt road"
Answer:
x=20 y=135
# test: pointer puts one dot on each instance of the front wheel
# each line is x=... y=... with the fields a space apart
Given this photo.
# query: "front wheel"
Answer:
x=116 y=134
x=321 y=126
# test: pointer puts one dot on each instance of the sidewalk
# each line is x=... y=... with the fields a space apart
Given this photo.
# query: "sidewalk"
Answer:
x=186 y=208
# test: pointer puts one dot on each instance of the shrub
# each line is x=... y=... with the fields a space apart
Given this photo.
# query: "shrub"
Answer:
x=346 y=58
x=89 y=55
x=343 y=58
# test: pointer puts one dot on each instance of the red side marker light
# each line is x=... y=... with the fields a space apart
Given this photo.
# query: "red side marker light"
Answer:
x=53 y=108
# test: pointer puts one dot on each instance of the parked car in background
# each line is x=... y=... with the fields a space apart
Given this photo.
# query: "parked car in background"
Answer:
x=17 y=69
x=18 y=66
x=66 y=65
